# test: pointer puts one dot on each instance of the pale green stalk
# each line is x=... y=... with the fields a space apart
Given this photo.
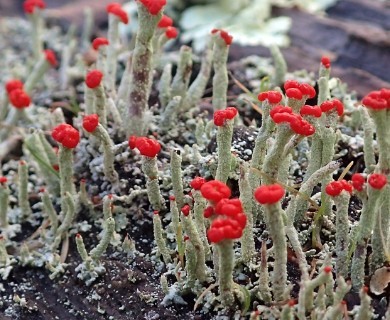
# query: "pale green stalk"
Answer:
x=160 y=241
x=140 y=82
x=23 y=202
x=224 y=142
x=220 y=79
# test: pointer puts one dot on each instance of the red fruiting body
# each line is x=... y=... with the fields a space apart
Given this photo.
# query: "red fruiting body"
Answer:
x=96 y=43
x=304 y=88
x=30 y=5
x=224 y=35
x=153 y=6
x=3 y=180
x=186 y=210
x=325 y=61
x=11 y=85
x=165 y=22
x=314 y=111
x=334 y=188
x=291 y=303
x=358 y=181
x=230 y=112
x=171 y=32
x=220 y=116
x=215 y=235
x=50 y=57
x=172 y=198
x=377 y=181
x=269 y=194
x=327 y=269
x=215 y=191
x=346 y=186
x=156 y=212
x=208 y=212
x=241 y=219
x=333 y=104
x=229 y=207
x=273 y=97
x=147 y=147
x=280 y=117
x=279 y=109
x=294 y=93
x=132 y=142
x=19 y=98
x=385 y=94
x=65 y=134
x=90 y=122
x=116 y=9
x=300 y=126
x=222 y=229
x=186 y=238
x=197 y=183
x=307 y=90
x=377 y=100
x=93 y=78
x=291 y=84
x=56 y=167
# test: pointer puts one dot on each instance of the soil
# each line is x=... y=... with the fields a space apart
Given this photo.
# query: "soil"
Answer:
x=354 y=34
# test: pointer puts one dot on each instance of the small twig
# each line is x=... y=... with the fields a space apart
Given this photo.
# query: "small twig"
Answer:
x=345 y=171
x=37 y=232
x=211 y=287
x=64 y=248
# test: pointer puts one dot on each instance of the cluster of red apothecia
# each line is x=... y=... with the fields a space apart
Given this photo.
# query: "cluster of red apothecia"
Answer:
x=269 y=194
x=282 y=114
x=66 y=135
x=377 y=100
x=298 y=91
x=167 y=23
x=224 y=35
x=16 y=95
x=115 y=8
x=93 y=78
x=228 y=217
x=221 y=116
x=146 y=146
x=325 y=61
x=153 y=6
x=90 y=122
x=376 y=181
x=98 y=42
x=30 y=5
x=15 y=91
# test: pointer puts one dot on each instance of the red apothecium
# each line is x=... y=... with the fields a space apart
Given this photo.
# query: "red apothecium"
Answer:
x=65 y=134
x=269 y=194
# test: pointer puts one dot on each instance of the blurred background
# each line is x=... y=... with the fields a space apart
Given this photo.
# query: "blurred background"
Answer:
x=355 y=34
